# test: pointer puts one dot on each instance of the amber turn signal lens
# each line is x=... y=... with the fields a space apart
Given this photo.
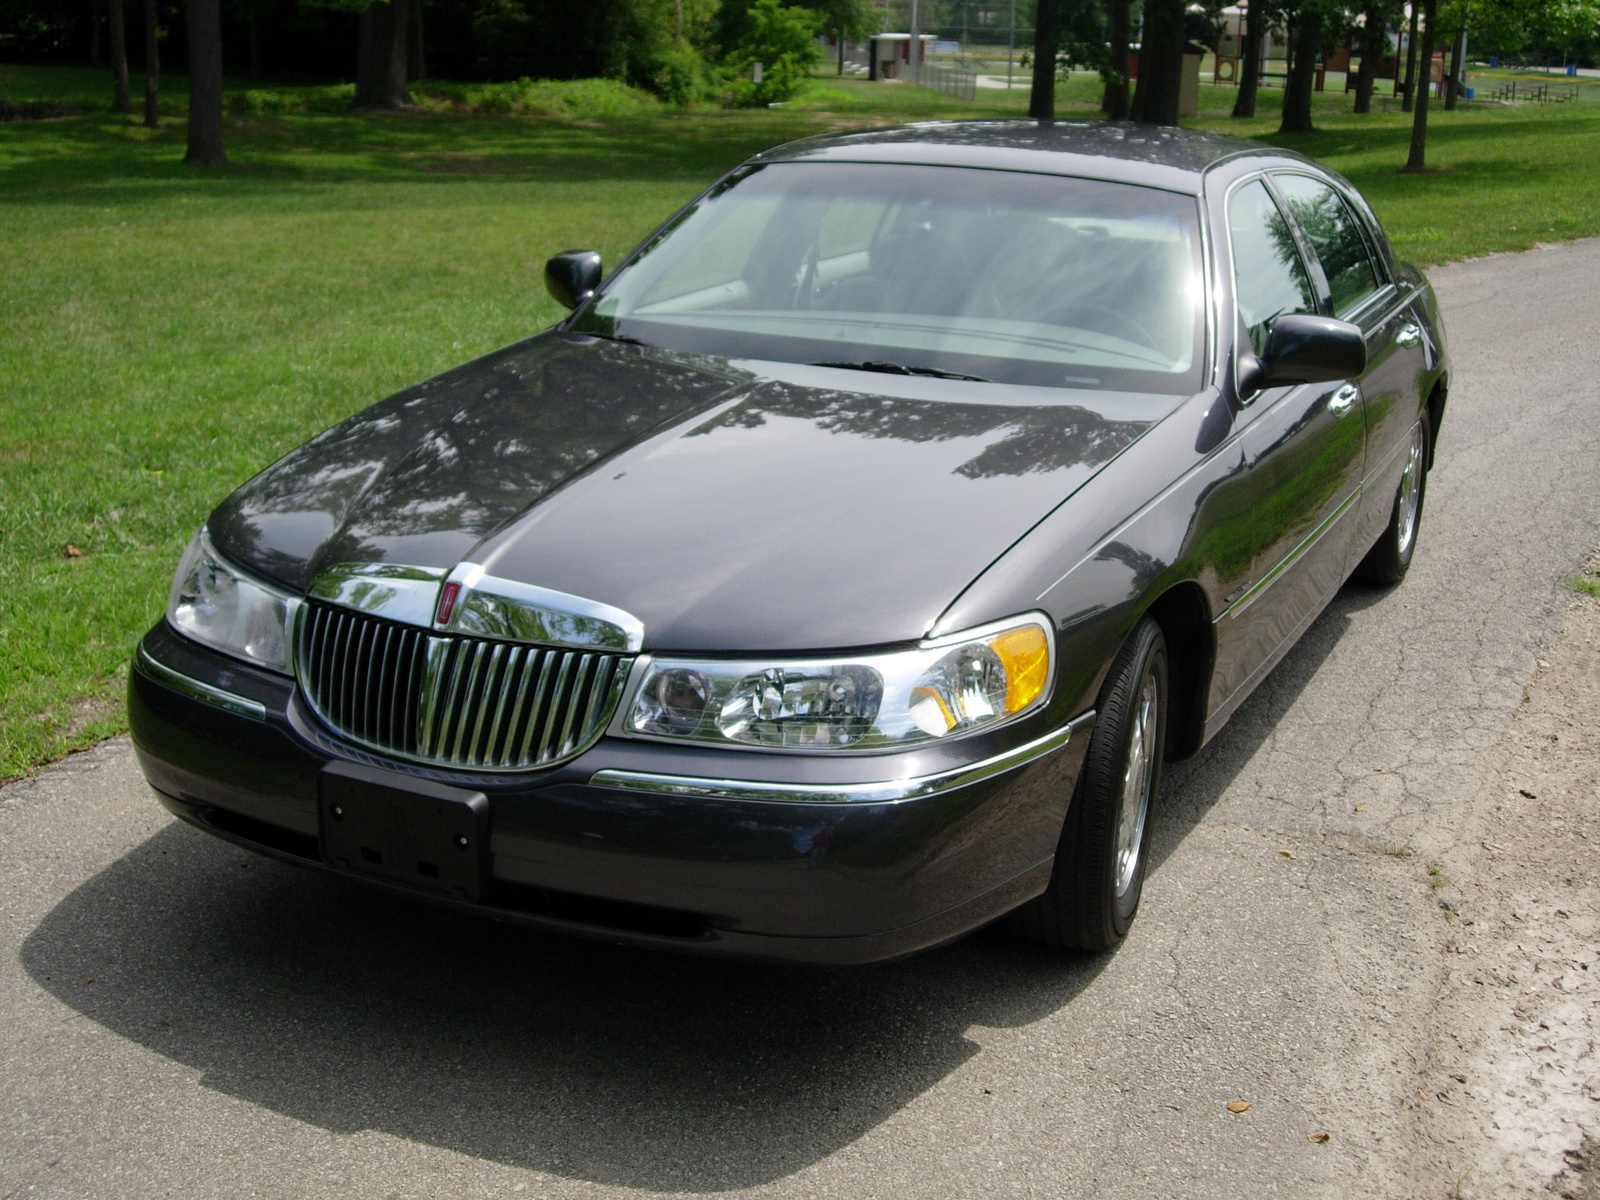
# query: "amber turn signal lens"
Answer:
x=1025 y=654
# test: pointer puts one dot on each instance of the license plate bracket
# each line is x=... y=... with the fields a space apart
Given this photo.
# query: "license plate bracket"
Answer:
x=405 y=830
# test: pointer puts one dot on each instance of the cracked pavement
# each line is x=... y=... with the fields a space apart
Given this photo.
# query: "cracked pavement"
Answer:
x=184 y=1019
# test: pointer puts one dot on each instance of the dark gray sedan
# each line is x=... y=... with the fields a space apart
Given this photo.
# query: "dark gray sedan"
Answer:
x=837 y=577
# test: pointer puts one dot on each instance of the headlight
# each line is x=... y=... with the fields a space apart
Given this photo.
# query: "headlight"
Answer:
x=215 y=603
x=944 y=687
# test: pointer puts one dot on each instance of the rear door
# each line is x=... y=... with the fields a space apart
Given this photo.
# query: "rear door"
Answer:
x=1356 y=287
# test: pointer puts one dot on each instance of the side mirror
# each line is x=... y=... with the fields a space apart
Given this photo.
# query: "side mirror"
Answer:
x=572 y=275
x=1303 y=348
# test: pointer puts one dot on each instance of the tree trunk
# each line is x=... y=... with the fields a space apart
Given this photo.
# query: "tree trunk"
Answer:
x=1419 y=123
x=1042 y=97
x=381 y=57
x=119 y=56
x=152 y=67
x=1453 y=82
x=1155 y=100
x=205 y=85
x=1302 y=73
x=255 y=47
x=1409 y=96
x=416 y=51
x=1255 y=32
x=1115 y=101
x=1374 y=41
x=840 y=35
x=94 y=34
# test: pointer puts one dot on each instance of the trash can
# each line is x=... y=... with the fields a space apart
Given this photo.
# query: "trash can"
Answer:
x=1572 y=68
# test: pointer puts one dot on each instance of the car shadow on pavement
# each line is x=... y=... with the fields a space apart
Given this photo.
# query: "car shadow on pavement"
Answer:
x=354 y=1010
x=351 y=1010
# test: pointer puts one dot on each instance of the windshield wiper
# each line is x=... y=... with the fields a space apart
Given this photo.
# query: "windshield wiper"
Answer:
x=894 y=368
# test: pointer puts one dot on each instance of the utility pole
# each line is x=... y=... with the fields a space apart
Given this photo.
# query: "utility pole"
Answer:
x=1011 y=44
x=914 y=46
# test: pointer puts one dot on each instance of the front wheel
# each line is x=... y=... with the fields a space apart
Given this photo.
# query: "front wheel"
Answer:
x=1099 y=869
x=1390 y=557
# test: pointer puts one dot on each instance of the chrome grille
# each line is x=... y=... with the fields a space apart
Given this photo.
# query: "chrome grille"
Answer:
x=455 y=701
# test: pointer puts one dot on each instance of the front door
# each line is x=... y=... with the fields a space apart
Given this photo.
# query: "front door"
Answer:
x=1304 y=450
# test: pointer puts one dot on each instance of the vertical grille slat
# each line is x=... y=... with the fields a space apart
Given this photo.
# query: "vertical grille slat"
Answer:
x=455 y=701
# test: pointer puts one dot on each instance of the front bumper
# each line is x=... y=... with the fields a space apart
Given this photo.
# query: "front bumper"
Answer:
x=763 y=856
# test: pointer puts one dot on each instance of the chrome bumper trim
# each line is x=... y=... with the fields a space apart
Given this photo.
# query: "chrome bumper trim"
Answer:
x=196 y=690
x=889 y=791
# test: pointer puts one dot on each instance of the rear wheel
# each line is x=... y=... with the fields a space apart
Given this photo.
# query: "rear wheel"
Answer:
x=1099 y=869
x=1390 y=557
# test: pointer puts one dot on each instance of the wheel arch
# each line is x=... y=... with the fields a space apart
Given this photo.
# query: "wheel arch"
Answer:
x=1435 y=406
x=1185 y=620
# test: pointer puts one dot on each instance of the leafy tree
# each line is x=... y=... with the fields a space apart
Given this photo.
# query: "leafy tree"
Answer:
x=152 y=66
x=1374 y=46
x=852 y=20
x=119 y=56
x=1257 y=22
x=205 y=85
x=1114 y=72
x=1415 y=161
x=783 y=41
x=1310 y=19
x=381 y=57
x=1155 y=100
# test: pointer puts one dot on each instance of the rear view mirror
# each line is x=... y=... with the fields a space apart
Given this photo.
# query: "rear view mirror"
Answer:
x=1303 y=348
x=571 y=276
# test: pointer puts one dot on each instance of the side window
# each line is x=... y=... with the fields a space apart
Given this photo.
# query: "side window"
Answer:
x=1270 y=279
x=1336 y=235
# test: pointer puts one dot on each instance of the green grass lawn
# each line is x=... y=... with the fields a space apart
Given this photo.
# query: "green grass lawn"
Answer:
x=168 y=332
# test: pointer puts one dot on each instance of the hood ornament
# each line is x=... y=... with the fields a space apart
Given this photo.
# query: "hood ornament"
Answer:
x=471 y=602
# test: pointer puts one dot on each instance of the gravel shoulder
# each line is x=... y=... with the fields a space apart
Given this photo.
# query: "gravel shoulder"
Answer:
x=1511 y=1101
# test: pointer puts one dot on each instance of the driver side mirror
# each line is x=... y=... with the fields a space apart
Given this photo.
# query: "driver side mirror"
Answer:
x=572 y=276
x=1304 y=348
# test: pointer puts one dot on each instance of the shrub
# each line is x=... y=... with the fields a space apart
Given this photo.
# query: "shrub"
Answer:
x=783 y=41
x=572 y=98
x=682 y=77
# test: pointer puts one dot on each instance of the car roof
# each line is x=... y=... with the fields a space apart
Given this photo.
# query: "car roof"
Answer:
x=1122 y=151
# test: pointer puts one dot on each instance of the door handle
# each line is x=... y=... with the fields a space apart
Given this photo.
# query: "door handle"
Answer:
x=1344 y=399
x=1410 y=334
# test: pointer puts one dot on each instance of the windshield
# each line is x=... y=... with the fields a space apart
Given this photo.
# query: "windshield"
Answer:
x=994 y=275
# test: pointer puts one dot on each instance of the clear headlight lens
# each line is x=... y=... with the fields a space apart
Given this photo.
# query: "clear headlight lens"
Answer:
x=944 y=687
x=215 y=603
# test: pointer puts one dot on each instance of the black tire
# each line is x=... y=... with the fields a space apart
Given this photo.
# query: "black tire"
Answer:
x=1099 y=869
x=1387 y=562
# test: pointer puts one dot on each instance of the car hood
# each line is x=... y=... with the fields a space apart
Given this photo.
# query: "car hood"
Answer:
x=727 y=504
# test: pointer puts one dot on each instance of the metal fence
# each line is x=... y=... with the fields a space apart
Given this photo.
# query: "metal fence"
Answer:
x=941 y=77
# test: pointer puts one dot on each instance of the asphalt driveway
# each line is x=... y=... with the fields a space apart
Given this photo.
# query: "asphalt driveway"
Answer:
x=181 y=1018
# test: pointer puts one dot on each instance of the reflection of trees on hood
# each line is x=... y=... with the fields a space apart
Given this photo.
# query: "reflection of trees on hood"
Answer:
x=467 y=451
x=1022 y=441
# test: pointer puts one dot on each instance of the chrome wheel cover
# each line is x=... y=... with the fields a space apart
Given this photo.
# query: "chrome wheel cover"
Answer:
x=1134 y=809
x=1410 y=500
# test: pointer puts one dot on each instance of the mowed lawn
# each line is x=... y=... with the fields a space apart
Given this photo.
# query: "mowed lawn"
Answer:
x=166 y=332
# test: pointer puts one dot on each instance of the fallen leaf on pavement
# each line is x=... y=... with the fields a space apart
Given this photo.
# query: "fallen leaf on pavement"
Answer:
x=1318 y=1138
x=1287 y=853
x=1238 y=1106
x=1524 y=791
